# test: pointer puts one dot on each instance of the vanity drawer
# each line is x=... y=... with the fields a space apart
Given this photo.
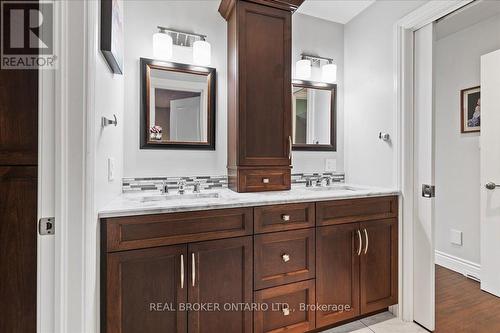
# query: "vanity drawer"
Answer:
x=284 y=217
x=269 y=179
x=135 y=232
x=354 y=210
x=284 y=257
x=284 y=308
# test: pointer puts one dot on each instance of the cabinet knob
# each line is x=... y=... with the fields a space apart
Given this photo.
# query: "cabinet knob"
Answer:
x=286 y=311
x=285 y=217
x=265 y=180
x=285 y=257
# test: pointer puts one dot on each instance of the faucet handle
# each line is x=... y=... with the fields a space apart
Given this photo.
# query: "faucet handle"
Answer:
x=328 y=180
x=308 y=182
x=164 y=187
x=196 y=186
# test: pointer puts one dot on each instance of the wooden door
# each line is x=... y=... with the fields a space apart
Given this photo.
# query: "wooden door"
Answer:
x=18 y=198
x=220 y=273
x=264 y=55
x=144 y=290
x=337 y=273
x=379 y=265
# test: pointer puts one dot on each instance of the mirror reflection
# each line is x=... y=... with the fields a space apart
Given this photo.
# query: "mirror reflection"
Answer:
x=179 y=106
x=313 y=116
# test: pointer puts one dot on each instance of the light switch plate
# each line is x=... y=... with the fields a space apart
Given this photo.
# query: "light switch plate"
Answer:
x=456 y=237
x=330 y=164
x=111 y=169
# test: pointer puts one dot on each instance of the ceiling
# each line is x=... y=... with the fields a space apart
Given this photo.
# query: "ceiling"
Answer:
x=340 y=11
x=463 y=18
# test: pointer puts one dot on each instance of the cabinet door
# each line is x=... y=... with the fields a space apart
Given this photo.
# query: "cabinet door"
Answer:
x=220 y=274
x=144 y=289
x=337 y=273
x=379 y=265
x=18 y=244
x=264 y=46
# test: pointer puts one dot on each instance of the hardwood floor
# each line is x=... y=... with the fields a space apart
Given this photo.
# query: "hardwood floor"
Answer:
x=461 y=306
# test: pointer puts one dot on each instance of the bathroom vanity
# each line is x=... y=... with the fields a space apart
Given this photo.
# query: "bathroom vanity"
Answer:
x=248 y=262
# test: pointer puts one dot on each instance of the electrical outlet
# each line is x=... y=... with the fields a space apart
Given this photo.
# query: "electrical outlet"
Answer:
x=330 y=164
x=456 y=237
x=111 y=169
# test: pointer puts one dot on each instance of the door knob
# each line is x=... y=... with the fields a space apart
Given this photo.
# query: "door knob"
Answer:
x=491 y=186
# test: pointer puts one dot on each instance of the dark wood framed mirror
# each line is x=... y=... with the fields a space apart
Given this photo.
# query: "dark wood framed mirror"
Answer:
x=314 y=116
x=177 y=106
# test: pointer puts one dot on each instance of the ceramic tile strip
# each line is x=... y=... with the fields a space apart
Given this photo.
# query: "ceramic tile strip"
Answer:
x=130 y=185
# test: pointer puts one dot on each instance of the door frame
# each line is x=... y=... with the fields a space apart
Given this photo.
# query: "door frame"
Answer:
x=403 y=118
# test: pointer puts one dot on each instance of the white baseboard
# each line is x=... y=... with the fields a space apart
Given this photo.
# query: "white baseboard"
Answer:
x=462 y=266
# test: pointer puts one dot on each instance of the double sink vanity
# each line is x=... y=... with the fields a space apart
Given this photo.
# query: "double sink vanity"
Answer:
x=260 y=254
x=221 y=261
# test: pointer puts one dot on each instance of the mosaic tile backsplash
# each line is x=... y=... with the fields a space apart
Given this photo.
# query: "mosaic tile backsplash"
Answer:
x=130 y=185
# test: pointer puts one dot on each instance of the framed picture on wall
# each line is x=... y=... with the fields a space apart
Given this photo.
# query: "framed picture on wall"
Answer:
x=470 y=110
x=112 y=34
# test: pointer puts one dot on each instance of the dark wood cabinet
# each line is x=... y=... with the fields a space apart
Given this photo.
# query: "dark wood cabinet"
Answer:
x=144 y=289
x=259 y=90
x=202 y=271
x=337 y=277
x=379 y=265
x=289 y=308
x=220 y=272
x=357 y=265
x=18 y=243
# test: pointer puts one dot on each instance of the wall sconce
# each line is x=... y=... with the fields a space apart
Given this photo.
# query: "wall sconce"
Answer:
x=164 y=40
x=328 y=70
x=162 y=45
x=303 y=69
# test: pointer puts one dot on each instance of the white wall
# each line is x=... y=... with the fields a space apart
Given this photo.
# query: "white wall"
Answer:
x=457 y=66
x=369 y=93
x=324 y=38
x=310 y=34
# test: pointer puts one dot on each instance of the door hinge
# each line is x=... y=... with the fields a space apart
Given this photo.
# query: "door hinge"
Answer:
x=428 y=191
x=46 y=226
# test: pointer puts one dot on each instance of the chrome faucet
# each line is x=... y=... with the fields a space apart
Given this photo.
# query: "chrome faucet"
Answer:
x=319 y=181
x=182 y=186
x=328 y=180
x=164 y=187
x=196 y=187
x=309 y=182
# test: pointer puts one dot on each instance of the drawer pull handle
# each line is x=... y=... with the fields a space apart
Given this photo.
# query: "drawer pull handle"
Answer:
x=286 y=311
x=182 y=271
x=360 y=242
x=285 y=217
x=366 y=237
x=265 y=180
x=285 y=257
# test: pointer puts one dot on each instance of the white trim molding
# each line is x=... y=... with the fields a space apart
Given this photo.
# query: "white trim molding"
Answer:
x=404 y=141
x=459 y=265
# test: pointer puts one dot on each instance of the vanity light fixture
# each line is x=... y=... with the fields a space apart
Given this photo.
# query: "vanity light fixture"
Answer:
x=328 y=70
x=164 y=40
x=162 y=45
x=303 y=69
x=201 y=52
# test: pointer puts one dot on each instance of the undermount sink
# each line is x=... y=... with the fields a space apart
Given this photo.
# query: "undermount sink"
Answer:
x=188 y=196
x=333 y=188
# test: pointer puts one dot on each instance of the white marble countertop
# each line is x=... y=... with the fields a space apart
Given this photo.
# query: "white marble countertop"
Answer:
x=132 y=204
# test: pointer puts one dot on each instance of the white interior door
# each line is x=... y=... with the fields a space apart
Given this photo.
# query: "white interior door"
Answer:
x=423 y=227
x=490 y=173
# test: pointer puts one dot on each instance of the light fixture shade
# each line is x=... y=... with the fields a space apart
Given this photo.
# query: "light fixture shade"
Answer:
x=329 y=73
x=201 y=53
x=303 y=69
x=162 y=46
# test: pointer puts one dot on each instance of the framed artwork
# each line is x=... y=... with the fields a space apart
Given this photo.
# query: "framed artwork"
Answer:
x=470 y=110
x=112 y=34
